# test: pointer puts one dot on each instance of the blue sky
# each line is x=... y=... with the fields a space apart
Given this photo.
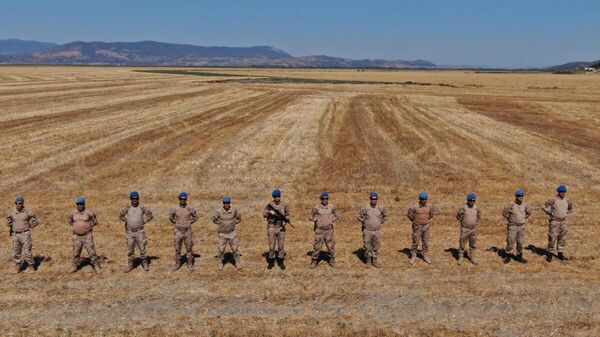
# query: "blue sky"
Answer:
x=507 y=33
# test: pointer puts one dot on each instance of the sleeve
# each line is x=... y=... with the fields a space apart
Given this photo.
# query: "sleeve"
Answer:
x=460 y=214
x=432 y=211
x=506 y=211
x=238 y=217
x=336 y=214
x=547 y=208
x=286 y=211
x=361 y=215
x=193 y=215
x=411 y=213
x=9 y=220
x=32 y=220
x=528 y=211
x=569 y=207
x=70 y=219
x=313 y=215
x=122 y=214
x=93 y=219
x=148 y=213
x=172 y=216
x=384 y=215
x=478 y=214
x=266 y=211
x=216 y=217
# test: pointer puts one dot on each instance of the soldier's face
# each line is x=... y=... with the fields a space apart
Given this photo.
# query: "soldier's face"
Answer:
x=470 y=203
x=562 y=194
x=519 y=198
x=422 y=202
x=135 y=201
x=80 y=207
x=324 y=201
x=182 y=201
x=373 y=202
x=276 y=199
x=19 y=205
x=226 y=206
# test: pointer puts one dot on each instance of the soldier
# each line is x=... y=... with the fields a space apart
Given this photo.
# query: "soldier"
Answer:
x=324 y=216
x=133 y=217
x=468 y=215
x=20 y=222
x=420 y=214
x=183 y=216
x=558 y=208
x=227 y=218
x=82 y=222
x=516 y=213
x=372 y=216
x=276 y=212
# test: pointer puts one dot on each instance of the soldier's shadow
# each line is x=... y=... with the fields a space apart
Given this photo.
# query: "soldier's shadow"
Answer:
x=499 y=251
x=537 y=250
x=408 y=253
x=323 y=256
x=228 y=258
x=183 y=259
x=454 y=252
x=361 y=254
x=138 y=260
x=39 y=259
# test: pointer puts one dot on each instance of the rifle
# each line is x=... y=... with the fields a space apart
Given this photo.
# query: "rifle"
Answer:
x=280 y=217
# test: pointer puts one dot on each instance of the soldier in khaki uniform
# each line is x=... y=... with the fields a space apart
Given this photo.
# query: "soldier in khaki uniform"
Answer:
x=20 y=222
x=133 y=217
x=468 y=215
x=324 y=216
x=516 y=214
x=372 y=216
x=420 y=214
x=82 y=222
x=276 y=212
x=227 y=218
x=183 y=216
x=558 y=209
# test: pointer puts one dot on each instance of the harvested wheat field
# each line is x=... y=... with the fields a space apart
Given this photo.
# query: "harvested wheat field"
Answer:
x=103 y=132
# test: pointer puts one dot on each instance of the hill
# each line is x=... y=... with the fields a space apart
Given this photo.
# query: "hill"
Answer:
x=16 y=46
x=150 y=53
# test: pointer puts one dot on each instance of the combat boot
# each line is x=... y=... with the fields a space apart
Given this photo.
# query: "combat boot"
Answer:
x=368 y=263
x=74 y=267
x=29 y=267
x=145 y=265
x=177 y=264
x=562 y=257
x=520 y=258
x=549 y=257
x=18 y=267
x=332 y=262
x=460 y=259
x=129 y=266
x=238 y=265
x=375 y=263
x=190 y=263
x=426 y=259
x=507 y=258
x=96 y=265
x=313 y=264
x=413 y=258
x=221 y=264
x=270 y=263
x=472 y=257
x=281 y=264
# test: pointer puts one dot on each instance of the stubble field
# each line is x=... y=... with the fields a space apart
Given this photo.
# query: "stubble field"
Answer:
x=103 y=132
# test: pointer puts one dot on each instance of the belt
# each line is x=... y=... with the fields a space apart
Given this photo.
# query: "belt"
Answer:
x=23 y=231
x=325 y=228
x=227 y=232
x=559 y=219
x=135 y=230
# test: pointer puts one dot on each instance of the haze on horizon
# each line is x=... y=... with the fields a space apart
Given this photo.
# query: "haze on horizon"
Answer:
x=465 y=32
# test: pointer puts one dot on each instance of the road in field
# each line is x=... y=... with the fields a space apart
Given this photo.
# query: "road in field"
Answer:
x=103 y=132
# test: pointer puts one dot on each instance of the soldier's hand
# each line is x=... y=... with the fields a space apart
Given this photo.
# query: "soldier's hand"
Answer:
x=272 y=212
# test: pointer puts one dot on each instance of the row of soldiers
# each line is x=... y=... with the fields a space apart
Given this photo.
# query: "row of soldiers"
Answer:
x=324 y=215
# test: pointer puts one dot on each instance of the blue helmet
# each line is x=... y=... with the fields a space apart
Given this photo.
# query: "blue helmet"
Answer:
x=276 y=193
x=19 y=200
x=324 y=195
x=374 y=195
x=561 y=188
x=471 y=197
x=80 y=201
x=519 y=193
x=227 y=200
x=134 y=195
x=423 y=195
x=182 y=195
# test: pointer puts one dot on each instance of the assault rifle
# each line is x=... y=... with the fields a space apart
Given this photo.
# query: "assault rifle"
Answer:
x=280 y=217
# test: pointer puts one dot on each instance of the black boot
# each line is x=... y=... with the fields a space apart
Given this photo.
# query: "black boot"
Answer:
x=562 y=257
x=507 y=258
x=270 y=263
x=520 y=258
x=549 y=257
x=281 y=264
